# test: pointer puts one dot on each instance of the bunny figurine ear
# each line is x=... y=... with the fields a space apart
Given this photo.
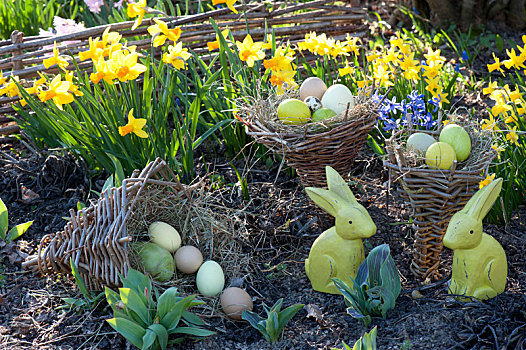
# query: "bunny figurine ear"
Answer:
x=326 y=200
x=480 y=204
x=338 y=185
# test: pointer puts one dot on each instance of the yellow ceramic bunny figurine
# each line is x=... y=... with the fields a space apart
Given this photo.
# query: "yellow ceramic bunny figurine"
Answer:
x=479 y=262
x=338 y=252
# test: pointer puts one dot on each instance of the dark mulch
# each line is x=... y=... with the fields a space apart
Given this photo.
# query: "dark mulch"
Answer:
x=282 y=224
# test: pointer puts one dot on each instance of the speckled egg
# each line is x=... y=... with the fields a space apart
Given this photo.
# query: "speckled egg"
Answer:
x=313 y=102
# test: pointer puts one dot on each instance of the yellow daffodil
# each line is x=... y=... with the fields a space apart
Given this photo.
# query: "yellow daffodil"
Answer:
x=249 y=51
x=512 y=136
x=491 y=87
x=102 y=71
x=346 y=70
x=278 y=62
x=309 y=44
x=229 y=4
x=382 y=75
x=514 y=60
x=10 y=89
x=161 y=33
x=2 y=79
x=489 y=124
x=58 y=91
x=487 y=180
x=352 y=44
x=392 y=57
x=93 y=51
x=33 y=89
x=434 y=58
x=134 y=126
x=176 y=56
x=372 y=57
x=125 y=66
x=410 y=67
x=500 y=107
x=137 y=9
x=214 y=45
x=432 y=84
x=495 y=66
x=74 y=89
x=56 y=59
x=431 y=70
x=338 y=49
x=110 y=38
x=283 y=79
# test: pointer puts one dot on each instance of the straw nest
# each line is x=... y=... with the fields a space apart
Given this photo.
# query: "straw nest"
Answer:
x=97 y=238
x=310 y=147
x=213 y=229
x=435 y=194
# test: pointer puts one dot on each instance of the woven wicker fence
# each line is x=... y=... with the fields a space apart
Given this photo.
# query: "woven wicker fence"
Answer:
x=434 y=195
x=23 y=56
x=97 y=238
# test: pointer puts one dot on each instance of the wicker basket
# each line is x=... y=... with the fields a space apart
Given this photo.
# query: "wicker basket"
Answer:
x=311 y=147
x=97 y=237
x=435 y=195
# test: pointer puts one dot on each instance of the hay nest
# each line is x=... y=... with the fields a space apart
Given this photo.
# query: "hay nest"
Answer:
x=434 y=194
x=310 y=147
x=98 y=237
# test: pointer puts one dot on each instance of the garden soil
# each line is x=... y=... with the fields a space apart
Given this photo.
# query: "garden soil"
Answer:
x=282 y=224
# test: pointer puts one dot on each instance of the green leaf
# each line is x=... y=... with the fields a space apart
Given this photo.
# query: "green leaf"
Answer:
x=107 y=184
x=129 y=330
x=273 y=329
x=162 y=334
x=195 y=331
x=191 y=318
x=166 y=302
x=172 y=318
x=133 y=301
x=4 y=219
x=499 y=43
x=18 y=231
x=286 y=315
x=148 y=339
x=79 y=280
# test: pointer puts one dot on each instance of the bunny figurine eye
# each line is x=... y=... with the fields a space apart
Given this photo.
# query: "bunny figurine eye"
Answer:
x=479 y=262
x=338 y=252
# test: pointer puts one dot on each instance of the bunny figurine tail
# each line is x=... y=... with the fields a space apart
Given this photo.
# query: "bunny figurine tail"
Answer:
x=479 y=262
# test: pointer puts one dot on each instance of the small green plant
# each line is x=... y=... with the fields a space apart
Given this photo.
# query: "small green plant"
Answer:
x=88 y=300
x=149 y=323
x=366 y=342
x=272 y=326
x=406 y=345
x=16 y=231
x=376 y=287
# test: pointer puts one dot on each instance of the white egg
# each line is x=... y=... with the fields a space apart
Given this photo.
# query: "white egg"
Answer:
x=337 y=97
x=210 y=279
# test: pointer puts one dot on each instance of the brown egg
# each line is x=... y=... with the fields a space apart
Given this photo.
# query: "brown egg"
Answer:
x=312 y=86
x=234 y=300
x=188 y=259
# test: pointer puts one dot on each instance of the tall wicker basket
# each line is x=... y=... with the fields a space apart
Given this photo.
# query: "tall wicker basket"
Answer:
x=97 y=238
x=435 y=195
x=309 y=148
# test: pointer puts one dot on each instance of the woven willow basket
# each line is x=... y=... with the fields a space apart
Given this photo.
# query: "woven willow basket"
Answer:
x=97 y=238
x=311 y=147
x=435 y=195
